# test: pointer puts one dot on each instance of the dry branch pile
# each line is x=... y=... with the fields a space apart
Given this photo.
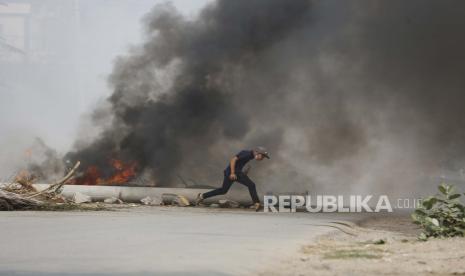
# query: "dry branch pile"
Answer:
x=21 y=195
x=12 y=201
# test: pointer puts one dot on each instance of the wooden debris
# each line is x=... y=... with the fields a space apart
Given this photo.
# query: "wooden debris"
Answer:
x=54 y=188
x=11 y=201
x=13 y=197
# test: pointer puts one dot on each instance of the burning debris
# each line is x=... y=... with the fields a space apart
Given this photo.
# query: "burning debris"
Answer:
x=117 y=173
x=21 y=194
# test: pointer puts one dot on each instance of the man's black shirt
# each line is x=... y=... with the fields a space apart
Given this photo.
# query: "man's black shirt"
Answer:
x=242 y=158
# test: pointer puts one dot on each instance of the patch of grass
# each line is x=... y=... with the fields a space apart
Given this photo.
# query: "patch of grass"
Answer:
x=376 y=242
x=353 y=254
x=380 y=241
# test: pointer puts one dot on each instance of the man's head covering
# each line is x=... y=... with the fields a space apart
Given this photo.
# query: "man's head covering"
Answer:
x=262 y=151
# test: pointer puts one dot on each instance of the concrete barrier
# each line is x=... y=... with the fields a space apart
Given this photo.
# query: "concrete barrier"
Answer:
x=135 y=194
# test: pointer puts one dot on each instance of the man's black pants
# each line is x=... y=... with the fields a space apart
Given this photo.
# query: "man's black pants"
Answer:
x=241 y=178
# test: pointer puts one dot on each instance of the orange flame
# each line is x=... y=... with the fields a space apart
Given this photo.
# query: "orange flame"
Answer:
x=122 y=174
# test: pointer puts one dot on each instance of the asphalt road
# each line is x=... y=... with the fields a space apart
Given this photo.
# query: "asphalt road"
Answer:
x=153 y=241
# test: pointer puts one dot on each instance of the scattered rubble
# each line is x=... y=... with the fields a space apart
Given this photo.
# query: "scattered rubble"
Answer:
x=20 y=194
x=226 y=203
x=81 y=198
x=113 y=200
x=181 y=201
x=59 y=199
x=174 y=199
x=146 y=200
x=151 y=201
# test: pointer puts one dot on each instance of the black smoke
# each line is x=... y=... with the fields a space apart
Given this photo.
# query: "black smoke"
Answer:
x=198 y=109
x=344 y=93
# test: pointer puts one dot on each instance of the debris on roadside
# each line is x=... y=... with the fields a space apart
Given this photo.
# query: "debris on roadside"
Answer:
x=176 y=200
x=21 y=195
x=226 y=203
x=59 y=199
x=81 y=198
x=11 y=201
x=181 y=201
x=24 y=180
x=113 y=200
x=151 y=201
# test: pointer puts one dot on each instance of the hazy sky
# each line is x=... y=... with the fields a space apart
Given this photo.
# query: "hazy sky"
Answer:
x=51 y=97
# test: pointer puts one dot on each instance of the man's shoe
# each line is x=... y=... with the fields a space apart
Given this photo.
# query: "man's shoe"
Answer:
x=199 y=199
x=257 y=206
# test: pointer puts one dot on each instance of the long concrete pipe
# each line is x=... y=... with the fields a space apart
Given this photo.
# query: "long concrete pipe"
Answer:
x=135 y=194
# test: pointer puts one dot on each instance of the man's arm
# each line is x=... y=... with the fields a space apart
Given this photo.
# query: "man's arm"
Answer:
x=232 y=165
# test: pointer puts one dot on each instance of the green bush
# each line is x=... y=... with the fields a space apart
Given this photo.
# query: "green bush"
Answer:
x=442 y=215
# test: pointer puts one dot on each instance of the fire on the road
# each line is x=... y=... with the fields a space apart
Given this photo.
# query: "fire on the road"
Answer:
x=119 y=172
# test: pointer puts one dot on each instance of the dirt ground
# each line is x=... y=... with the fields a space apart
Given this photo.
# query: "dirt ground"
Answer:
x=377 y=246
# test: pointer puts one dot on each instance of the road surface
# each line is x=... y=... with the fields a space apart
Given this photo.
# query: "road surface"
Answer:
x=153 y=241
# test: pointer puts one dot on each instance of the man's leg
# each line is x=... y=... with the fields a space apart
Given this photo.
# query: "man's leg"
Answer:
x=245 y=180
x=220 y=191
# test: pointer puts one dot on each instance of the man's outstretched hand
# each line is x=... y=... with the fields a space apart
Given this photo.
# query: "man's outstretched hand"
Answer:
x=233 y=177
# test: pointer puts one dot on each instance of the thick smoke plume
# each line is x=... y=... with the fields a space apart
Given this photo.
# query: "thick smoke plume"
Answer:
x=347 y=95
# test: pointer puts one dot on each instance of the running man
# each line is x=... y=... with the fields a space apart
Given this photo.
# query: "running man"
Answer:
x=234 y=173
